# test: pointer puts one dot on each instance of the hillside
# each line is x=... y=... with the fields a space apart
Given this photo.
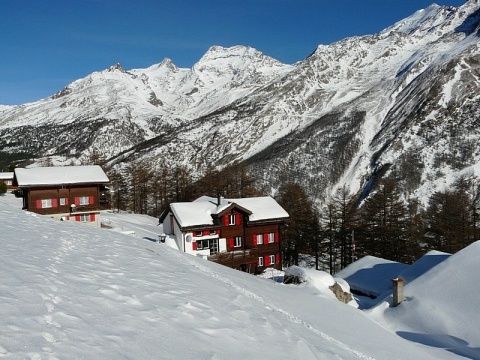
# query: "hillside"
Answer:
x=404 y=100
x=71 y=290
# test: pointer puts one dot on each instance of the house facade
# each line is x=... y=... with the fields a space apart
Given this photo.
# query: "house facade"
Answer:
x=7 y=178
x=69 y=193
x=239 y=233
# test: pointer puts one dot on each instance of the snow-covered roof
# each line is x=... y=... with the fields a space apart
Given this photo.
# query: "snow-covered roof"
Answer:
x=60 y=175
x=6 y=175
x=200 y=211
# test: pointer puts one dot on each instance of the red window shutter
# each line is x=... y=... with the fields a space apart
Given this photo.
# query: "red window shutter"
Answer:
x=38 y=204
x=254 y=240
x=92 y=217
x=77 y=217
x=277 y=258
x=231 y=243
x=194 y=245
x=265 y=238
x=91 y=200
x=237 y=219
x=277 y=237
x=66 y=201
x=225 y=220
x=68 y=217
x=54 y=202
x=266 y=260
x=77 y=200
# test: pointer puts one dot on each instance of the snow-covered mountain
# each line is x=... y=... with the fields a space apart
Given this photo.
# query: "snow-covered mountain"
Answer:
x=403 y=100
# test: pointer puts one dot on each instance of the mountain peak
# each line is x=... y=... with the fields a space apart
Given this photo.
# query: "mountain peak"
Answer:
x=116 y=67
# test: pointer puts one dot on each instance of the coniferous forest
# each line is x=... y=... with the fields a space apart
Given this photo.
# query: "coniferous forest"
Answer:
x=328 y=236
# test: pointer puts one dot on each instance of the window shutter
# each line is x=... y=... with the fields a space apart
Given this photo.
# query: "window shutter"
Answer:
x=54 y=202
x=231 y=243
x=254 y=240
x=237 y=219
x=194 y=246
x=77 y=217
x=266 y=260
x=91 y=200
x=38 y=204
x=92 y=217
x=277 y=237
x=68 y=217
x=265 y=238
x=225 y=220
x=77 y=200
x=277 y=258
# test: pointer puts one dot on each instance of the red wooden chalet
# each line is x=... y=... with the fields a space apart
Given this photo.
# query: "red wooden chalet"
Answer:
x=75 y=193
x=240 y=233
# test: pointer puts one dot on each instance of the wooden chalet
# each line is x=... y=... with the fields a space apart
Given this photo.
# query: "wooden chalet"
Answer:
x=239 y=233
x=7 y=178
x=75 y=193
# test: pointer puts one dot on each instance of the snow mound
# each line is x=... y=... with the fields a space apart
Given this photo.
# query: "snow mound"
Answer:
x=441 y=306
x=371 y=276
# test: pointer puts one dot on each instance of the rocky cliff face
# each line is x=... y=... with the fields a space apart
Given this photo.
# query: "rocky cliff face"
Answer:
x=403 y=100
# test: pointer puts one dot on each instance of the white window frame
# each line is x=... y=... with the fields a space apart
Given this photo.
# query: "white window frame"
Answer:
x=85 y=217
x=272 y=259
x=271 y=238
x=63 y=201
x=260 y=261
x=46 y=203
x=259 y=239
x=231 y=219
x=8 y=182
x=237 y=241
x=198 y=233
x=83 y=200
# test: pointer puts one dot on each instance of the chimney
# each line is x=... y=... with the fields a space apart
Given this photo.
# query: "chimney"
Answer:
x=397 y=291
x=219 y=198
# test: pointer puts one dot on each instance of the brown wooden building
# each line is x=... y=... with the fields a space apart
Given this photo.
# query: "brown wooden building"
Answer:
x=7 y=178
x=75 y=193
x=240 y=233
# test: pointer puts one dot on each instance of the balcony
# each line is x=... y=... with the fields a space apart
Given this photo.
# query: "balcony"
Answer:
x=235 y=258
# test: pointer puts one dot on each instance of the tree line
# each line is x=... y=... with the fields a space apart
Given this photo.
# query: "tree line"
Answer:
x=329 y=236
x=383 y=225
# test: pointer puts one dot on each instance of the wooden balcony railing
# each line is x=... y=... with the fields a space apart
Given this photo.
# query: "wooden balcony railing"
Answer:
x=235 y=258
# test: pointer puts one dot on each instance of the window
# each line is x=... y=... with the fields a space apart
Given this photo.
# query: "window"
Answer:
x=237 y=241
x=197 y=233
x=8 y=182
x=213 y=232
x=259 y=239
x=231 y=219
x=211 y=244
x=260 y=261
x=46 y=203
x=83 y=217
x=63 y=201
x=271 y=238
x=272 y=259
x=83 y=200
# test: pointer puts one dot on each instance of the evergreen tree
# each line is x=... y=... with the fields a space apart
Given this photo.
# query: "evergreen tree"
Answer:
x=302 y=231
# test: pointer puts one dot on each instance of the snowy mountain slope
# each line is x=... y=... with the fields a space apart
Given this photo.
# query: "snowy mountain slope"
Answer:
x=404 y=99
x=74 y=291
x=123 y=108
x=337 y=117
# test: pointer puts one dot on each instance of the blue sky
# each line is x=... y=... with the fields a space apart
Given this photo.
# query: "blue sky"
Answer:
x=47 y=44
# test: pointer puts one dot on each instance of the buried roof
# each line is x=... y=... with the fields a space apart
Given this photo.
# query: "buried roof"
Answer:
x=6 y=175
x=200 y=211
x=60 y=175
